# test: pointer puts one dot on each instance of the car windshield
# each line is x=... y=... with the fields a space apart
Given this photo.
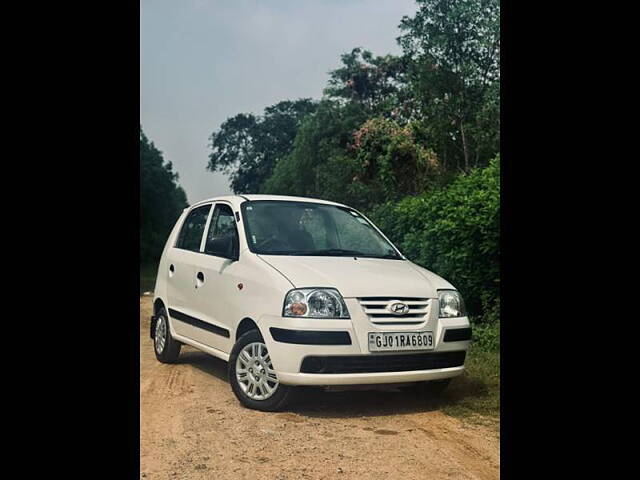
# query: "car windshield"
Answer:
x=276 y=227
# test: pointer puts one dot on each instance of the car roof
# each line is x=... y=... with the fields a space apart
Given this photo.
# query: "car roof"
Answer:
x=238 y=199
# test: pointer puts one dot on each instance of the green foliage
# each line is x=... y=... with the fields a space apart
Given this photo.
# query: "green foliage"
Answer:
x=374 y=82
x=453 y=52
x=161 y=200
x=316 y=164
x=246 y=147
x=338 y=158
x=455 y=232
x=446 y=85
x=461 y=37
x=389 y=163
x=486 y=336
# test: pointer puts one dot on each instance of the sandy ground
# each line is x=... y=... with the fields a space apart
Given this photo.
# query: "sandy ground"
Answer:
x=192 y=427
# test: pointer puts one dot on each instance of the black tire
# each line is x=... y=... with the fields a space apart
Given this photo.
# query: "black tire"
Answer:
x=170 y=351
x=433 y=388
x=277 y=401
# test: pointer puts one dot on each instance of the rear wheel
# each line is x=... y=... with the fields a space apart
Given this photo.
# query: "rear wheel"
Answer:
x=166 y=348
x=252 y=377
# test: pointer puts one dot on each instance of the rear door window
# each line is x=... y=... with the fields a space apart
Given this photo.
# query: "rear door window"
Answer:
x=192 y=229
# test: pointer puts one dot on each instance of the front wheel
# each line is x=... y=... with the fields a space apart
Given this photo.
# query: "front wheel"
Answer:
x=252 y=377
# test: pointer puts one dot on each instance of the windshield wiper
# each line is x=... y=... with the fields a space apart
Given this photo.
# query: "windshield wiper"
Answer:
x=389 y=255
x=339 y=252
x=325 y=252
x=386 y=255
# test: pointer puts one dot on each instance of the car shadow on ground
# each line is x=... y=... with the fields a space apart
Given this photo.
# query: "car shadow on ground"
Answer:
x=356 y=400
x=205 y=363
x=381 y=400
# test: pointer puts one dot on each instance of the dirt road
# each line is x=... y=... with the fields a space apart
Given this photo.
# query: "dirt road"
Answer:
x=192 y=427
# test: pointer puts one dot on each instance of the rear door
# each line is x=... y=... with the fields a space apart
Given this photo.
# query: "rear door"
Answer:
x=183 y=260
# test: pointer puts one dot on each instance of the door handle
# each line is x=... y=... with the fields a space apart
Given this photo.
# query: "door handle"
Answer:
x=172 y=269
x=199 y=279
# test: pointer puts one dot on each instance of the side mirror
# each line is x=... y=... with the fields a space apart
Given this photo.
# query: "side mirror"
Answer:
x=235 y=250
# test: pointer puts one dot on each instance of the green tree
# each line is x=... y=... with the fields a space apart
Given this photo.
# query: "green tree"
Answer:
x=453 y=53
x=318 y=164
x=246 y=146
x=161 y=200
x=375 y=82
x=389 y=163
x=341 y=155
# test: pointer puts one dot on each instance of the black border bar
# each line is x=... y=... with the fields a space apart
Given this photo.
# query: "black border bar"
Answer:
x=195 y=322
x=457 y=334
x=310 y=337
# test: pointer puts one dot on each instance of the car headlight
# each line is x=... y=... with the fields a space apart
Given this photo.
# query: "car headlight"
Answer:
x=315 y=303
x=451 y=304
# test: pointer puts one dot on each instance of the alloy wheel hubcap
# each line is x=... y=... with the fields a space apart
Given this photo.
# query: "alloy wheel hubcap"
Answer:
x=161 y=335
x=255 y=373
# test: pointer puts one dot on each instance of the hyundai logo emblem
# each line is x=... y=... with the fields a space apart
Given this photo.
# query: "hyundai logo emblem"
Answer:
x=398 y=308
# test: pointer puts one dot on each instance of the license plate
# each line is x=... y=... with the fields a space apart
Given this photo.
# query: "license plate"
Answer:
x=397 y=341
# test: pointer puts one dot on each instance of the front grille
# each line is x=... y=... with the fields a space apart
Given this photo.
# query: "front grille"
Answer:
x=377 y=310
x=382 y=363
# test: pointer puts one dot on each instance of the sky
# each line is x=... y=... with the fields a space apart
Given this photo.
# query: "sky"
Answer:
x=203 y=61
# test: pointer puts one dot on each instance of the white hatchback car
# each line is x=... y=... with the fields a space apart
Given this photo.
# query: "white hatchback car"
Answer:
x=299 y=291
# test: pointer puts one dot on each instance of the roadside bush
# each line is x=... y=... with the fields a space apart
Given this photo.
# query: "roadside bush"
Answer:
x=486 y=336
x=454 y=231
x=486 y=332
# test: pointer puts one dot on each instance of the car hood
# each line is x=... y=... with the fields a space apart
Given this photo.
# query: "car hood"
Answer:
x=361 y=277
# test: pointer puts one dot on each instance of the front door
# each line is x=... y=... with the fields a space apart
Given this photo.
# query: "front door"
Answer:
x=218 y=295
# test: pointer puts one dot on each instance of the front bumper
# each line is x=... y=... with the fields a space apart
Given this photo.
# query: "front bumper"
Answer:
x=367 y=378
x=349 y=338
